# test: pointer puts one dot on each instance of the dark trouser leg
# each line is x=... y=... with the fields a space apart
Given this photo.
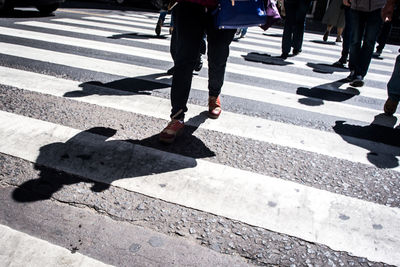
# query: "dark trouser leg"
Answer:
x=190 y=21
x=372 y=27
x=298 y=32
x=346 y=36
x=290 y=20
x=384 y=34
x=218 y=52
x=394 y=82
x=358 y=24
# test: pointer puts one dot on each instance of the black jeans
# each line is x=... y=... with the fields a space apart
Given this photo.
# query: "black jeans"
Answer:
x=192 y=22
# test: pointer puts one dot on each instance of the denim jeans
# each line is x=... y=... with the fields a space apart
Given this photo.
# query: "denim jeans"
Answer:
x=366 y=27
x=192 y=22
x=394 y=82
x=293 y=31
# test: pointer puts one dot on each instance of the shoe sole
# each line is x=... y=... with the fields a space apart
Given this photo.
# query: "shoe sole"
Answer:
x=213 y=116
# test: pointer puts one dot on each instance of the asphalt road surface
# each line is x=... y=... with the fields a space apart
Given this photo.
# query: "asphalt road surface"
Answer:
x=299 y=170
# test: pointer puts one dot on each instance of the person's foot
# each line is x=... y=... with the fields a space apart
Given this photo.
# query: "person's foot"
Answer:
x=171 y=71
x=358 y=81
x=284 y=55
x=325 y=38
x=296 y=52
x=390 y=106
x=214 y=107
x=339 y=39
x=158 y=27
x=377 y=53
x=174 y=129
x=199 y=65
x=338 y=64
x=351 y=76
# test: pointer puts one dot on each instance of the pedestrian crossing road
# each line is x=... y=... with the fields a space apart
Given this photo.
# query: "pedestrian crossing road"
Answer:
x=300 y=169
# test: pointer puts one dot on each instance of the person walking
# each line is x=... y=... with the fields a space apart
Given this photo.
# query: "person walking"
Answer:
x=193 y=19
x=366 y=22
x=393 y=86
x=293 y=31
x=334 y=17
x=346 y=39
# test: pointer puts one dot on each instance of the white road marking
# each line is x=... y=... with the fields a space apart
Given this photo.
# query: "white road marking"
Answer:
x=325 y=143
x=256 y=72
x=361 y=228
x=20 y=249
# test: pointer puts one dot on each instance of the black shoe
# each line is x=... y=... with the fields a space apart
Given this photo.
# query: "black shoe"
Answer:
x=338 y=64
x=158 y=28
x=296 y=52
x=325 y=38
x=358 y=81
x=171 y=71
x=199 y=65
x=351 y=77
x=284 y=55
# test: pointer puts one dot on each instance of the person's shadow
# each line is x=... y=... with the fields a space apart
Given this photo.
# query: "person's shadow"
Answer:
x=316 y=96
x=127 y=86
x=371 y=137
x=266 y=59
x=90 y=157
x=326 y=68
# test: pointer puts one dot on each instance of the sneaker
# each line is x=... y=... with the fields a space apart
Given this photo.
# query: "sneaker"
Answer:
x=214 y=107
x=390 y=106
x=173 y=129
x=351 y=76
x=358 y=81
x=158 y=28
x=339 y=39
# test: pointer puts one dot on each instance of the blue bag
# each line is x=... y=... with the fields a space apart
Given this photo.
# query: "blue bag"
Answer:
x=244 y=13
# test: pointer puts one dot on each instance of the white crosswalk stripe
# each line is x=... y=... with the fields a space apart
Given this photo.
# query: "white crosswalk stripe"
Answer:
x=370 y=230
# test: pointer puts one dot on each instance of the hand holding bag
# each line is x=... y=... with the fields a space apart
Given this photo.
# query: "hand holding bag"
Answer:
x=240 y=14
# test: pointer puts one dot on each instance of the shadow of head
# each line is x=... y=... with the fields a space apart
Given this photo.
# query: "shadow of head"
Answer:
x=127 y=86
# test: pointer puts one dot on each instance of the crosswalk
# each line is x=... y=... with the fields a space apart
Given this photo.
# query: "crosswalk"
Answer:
x=296 y=151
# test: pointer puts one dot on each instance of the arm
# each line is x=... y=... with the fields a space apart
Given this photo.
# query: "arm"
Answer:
x=387 y=10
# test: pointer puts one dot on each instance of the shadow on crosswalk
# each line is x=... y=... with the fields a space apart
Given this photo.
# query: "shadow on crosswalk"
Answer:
x=142 y=85
x=92 y=157
x=381 y=130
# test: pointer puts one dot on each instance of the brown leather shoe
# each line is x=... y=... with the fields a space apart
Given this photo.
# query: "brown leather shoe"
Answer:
x=390 y=106
x=214 y=107
x=173 y=130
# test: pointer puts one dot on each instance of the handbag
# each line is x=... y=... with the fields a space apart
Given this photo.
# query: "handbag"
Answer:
x=244 y=13
x=273 y=15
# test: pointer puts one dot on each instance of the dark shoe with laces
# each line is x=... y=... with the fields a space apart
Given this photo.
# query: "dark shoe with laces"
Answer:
x=284 y=56
x=296 y=52
x=390 y=106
